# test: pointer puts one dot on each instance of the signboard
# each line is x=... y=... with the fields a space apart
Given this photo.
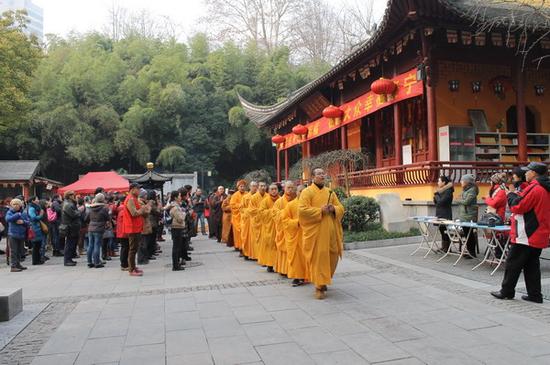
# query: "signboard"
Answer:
x=407 y=87
x=407 y=154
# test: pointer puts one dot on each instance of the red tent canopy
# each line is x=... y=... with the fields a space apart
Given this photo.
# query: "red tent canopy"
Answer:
x=110 y=181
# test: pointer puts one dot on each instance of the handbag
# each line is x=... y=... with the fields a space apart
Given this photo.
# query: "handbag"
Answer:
x=44 y=227
x=30 y=234
x=490 y=220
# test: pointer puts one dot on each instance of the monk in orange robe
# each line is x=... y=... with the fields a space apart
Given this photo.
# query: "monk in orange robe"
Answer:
x=282 y=262
x=320 y=217
x=247 y=248
x=267 y=213
x=255 y=220
x=297 y=266
x=227 y=229
x=236 y=218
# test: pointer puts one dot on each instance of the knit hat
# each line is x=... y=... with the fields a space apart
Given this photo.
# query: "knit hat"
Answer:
x=15 y=202
x=468 y=178
x=99 y=199
x=499 y=178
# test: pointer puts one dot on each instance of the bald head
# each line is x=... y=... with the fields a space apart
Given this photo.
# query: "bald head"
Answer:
x=262 y=187
x=253 y=186
x=290 y=189
x=299 y=189
x=273 y=190
x=319 y=177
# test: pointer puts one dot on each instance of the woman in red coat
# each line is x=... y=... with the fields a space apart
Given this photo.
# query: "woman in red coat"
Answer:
x=496 y=201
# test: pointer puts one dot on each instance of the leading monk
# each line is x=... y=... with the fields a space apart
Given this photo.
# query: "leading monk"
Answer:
x=235 y=204
x=320 y=215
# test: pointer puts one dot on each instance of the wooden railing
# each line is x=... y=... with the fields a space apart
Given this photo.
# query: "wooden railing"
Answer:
x=425 y=173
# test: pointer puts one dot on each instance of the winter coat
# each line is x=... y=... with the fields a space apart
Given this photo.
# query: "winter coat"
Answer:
x=147 y=228
x=15 y=229
x=531 y=214
x=468 y=205
x=497 y=201
x=178 y=216
x=99 y=216
x=119 y=222
x=70 y=219
x=35 y=217
x=443 y=199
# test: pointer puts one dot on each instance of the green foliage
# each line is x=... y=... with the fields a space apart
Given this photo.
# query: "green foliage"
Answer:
x=375 y=232
x=359 y=212
x=19 y=57
x=97 y=103
x=172 y=158
x=258 y=175
x=340 y=193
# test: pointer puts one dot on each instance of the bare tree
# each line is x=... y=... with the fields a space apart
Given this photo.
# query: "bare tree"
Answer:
x=528 y=18
x=314 y=30
x=355 y=23
x=124 y=23
x=264 y=21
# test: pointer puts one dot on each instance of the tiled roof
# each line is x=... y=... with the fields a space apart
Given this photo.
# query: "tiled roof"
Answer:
x=22 y=170
x=396 y=11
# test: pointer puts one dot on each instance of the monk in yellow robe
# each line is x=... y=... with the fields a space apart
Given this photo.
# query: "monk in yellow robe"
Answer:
x=267 y=213
x=256 y=220
x=282 y=262
x=320 y=216
x=247 y=247
x=235 y=204
x=227 y=231
x=297 y=267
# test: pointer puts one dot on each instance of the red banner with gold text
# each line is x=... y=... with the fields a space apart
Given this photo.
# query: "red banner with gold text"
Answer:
x=407 y=87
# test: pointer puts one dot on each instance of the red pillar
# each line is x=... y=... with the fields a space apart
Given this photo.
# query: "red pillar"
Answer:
x=430 y=98
x=278 y=164
x=378 y=140
x=344 y=137
x=520 y=110
x=286 y=164
x=26 y=190
x=397 y=135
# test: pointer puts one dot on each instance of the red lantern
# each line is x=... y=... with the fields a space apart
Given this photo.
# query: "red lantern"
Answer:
x=334 y=114
x=383 y=87
x=300 y=130
x=278 y=140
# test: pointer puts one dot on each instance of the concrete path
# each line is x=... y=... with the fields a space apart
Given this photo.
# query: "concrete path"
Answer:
x=224 y=310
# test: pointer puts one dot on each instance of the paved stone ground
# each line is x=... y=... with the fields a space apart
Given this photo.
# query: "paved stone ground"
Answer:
x=384 y=307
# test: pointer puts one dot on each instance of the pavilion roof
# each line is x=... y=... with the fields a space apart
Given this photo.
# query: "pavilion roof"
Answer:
x=393 y=19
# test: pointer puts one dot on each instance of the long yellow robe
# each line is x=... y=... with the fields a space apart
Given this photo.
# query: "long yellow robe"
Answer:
x=255 y=223
x=227 y=235
x=322 y=234
x=267 y=254
x=245 y=225
x=281 y=265
x=297 y=267
x=235 y=204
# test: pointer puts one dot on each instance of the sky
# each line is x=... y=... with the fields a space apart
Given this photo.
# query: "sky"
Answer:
x=63 y=16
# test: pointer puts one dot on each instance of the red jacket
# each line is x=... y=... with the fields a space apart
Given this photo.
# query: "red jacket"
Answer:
x=131 y=224
x=531 y=214
x=497 y=200
x=120 y=221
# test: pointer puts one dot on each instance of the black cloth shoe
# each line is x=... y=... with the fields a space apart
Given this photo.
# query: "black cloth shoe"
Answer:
x=531 y=299
x=178 y=268
x=57 y=254
x=187 y=258
x=90 y=265
x=21 y=267
x=499 y=295
x=270 y=269
x=98 y=266
x=71 y=263
x=190 y=248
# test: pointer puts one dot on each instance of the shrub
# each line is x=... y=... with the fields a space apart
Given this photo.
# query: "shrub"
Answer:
x=359 y=212
x=340 y=193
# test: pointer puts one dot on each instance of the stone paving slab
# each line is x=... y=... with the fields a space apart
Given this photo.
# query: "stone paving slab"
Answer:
x=228 y=311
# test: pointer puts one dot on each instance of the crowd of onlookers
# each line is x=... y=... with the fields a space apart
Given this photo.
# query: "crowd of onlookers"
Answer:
x=521 y=200
x=94 y=226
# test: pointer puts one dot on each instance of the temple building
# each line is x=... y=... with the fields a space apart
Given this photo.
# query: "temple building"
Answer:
x=441 y=87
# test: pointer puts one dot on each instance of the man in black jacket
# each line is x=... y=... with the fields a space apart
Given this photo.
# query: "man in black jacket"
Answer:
x=70 y=226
